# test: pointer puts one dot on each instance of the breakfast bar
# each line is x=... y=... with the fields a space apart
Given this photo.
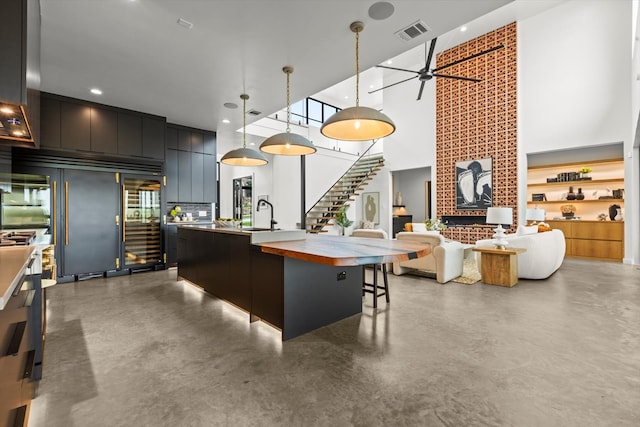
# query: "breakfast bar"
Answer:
x=294 y=281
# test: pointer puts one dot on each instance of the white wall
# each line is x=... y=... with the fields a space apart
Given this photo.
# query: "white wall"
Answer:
x=575 y=89
x=412 y=145
x=574 y=65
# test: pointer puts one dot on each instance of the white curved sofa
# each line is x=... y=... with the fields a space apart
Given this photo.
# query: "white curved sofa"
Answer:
x=445 y=260
x=544 y=255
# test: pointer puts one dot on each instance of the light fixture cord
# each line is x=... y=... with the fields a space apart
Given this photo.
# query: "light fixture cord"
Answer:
x=288 y=105
x=357 y=69
x=244 y=123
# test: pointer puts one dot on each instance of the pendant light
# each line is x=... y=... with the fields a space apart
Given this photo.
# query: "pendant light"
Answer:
x=358 y=123
x=244 y=156
x=287 y=143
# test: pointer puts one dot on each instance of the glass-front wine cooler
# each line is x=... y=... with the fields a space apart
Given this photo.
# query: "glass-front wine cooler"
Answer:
x=141 y=232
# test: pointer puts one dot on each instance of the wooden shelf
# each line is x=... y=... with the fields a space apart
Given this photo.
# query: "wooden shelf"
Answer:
x=580 y=183
x=607 y=176
x=549 y=202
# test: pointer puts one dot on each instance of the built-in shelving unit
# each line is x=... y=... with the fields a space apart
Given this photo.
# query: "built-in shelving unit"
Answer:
x=585 y=235
x=605 y=179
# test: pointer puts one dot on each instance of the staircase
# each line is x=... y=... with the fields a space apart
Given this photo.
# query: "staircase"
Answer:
x=342 y=192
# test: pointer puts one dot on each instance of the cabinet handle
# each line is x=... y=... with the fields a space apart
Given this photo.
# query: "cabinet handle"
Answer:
x=124 y=219
x=14 y=345
x=30 y=296
x=21 y=416
x=28 y=367
x=55 y=213
x=66 y=212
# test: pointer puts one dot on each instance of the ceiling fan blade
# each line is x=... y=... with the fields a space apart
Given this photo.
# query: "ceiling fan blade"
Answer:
x=393 y=84
x=432 y=48
x=470 y=79
x=475 y=55
x=397 y=69
x=420 y=91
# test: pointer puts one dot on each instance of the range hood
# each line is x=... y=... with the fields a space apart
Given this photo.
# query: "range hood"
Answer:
x=20 y=74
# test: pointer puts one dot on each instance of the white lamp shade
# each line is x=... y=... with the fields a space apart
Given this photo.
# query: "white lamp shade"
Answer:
x=358 y=124
x=499 y=216
x=288 y=144
x=244 y=157
x=535 y=214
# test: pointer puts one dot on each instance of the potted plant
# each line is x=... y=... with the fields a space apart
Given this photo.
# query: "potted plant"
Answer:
x=342 y=220
x=584 y=172
x=435 y=224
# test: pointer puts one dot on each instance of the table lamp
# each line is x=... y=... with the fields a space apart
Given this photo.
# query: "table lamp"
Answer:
x=535 y=215
x=500 y=216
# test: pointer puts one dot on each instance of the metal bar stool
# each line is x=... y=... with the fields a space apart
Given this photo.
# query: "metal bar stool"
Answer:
x=374 y=288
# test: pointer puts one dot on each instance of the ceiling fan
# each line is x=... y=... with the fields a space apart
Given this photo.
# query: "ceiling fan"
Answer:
x=425 y=74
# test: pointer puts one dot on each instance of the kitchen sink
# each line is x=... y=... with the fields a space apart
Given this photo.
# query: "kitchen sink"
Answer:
x=260 y=229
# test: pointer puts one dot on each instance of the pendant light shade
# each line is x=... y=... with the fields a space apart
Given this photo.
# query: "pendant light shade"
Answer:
x=244 y=156
x=287 y=143
x=358 y=123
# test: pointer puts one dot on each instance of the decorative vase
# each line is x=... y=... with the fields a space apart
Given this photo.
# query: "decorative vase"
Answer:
x=399 y=199
x=613 y=211
x=580 y=194
x=571 y=195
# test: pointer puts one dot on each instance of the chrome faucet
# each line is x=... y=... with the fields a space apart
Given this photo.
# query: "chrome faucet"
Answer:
x=262 y=202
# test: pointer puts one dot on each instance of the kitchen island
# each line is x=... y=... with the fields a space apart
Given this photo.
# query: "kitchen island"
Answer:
x=294 y=281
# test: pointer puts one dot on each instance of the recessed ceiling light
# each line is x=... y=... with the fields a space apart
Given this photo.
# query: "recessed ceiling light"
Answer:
x=252 y=143
x=346 y=97
x=96 y=91
x=184 y=23
x=463 y=28
x=231 y=105
x=226 y=121
x=389 y=62
x=6 y=110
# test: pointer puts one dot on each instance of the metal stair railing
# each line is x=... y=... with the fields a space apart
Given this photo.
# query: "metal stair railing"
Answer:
x=329 y=211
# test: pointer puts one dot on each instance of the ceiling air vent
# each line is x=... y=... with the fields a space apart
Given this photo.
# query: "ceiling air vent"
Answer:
x=254 y=112
x=414 y=30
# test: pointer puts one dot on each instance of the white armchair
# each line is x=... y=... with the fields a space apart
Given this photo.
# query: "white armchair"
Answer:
x=445 y=260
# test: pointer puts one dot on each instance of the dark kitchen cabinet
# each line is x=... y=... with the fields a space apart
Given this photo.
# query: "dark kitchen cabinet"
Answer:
x=197 y=177
x=184 y=176
x=49 y=123
x=129 y=134
x=190 y=165
x=210 y=179
x=209 y=143
x=184 y=140
x=171 y=172
x=153 y=139
x=90 y=233
x=104 y=131
x=13 y=69
x=197 y=142
x=75 y=126
x=172 y=138
x=171 y=244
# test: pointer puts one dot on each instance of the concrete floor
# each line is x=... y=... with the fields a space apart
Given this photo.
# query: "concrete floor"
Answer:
x=145 y=350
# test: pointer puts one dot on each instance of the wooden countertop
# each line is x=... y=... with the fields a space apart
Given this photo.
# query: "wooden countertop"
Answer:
x=13 y=262
x=346 y=251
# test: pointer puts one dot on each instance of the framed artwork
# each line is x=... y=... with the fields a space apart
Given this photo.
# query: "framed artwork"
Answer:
x=474 y=184
x=371 y=207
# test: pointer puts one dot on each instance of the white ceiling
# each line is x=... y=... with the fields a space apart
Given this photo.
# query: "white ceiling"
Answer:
x=135 y=51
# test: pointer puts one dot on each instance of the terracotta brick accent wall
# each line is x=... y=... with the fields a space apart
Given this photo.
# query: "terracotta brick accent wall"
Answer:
x=477 y=121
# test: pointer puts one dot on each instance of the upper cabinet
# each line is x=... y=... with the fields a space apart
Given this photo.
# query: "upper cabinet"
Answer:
x=76 y=125
x=190 y=165
x=591 y=192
